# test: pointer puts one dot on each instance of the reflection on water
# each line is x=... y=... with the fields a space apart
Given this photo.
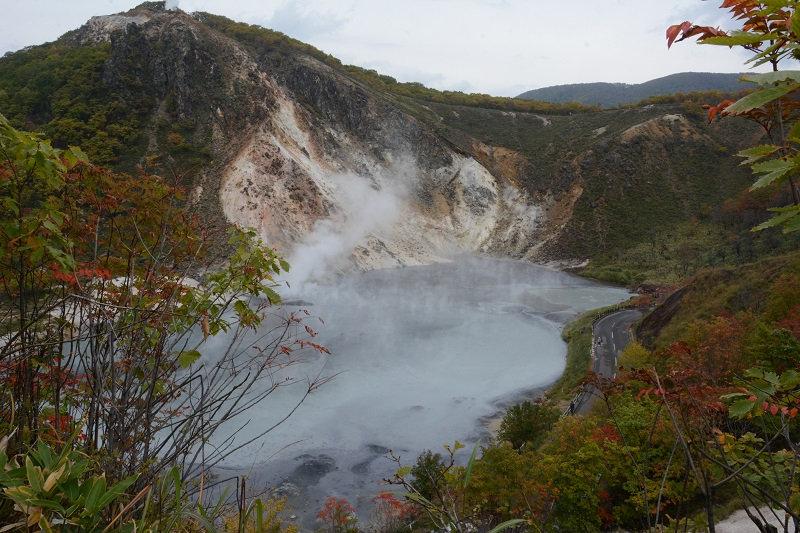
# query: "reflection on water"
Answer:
x=424 y=354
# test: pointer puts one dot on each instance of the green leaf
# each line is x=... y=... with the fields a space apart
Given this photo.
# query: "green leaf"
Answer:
x=44 y=455
x=738 y=38
x=78 y=154
x=188 y=357
x=771 y=78
x=741 y=408
x=50 y=225
x=794 y=25
x=37 y=254
x=471 y=461
x=413 y=497
x=760 y=98
x=507 y=524
x=70 y=488
x=115 y=492
x=794 y=502
x=772 y=170
x=273 y=297
x=790 y=379
x=47 y=504
x=793 y=223
x=176 y=479
x=98 y=488
x=35 y=475
x=403 y=471
x=757 y=153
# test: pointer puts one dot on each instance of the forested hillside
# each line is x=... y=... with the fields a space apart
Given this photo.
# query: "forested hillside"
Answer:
x=615 y=94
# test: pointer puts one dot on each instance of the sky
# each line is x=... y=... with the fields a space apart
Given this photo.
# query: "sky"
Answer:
x=497 y=47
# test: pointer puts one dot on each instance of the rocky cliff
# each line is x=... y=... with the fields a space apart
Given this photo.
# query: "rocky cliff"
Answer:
x=330 y=167
x=298 y=147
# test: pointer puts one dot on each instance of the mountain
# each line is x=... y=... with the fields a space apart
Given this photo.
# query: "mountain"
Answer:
x=615 y=94
x=271 y=133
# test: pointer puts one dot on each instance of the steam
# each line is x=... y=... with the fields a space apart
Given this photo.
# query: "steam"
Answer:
x=171 y=5
x=330 y=244
x=420 y=354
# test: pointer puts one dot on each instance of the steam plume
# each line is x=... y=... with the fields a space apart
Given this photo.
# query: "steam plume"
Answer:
x=329 y=245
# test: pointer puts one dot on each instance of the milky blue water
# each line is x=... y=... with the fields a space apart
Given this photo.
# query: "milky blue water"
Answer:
x=422 y=356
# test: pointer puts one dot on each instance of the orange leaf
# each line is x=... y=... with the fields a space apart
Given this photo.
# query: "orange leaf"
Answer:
x=720 y=108
x=206 y=328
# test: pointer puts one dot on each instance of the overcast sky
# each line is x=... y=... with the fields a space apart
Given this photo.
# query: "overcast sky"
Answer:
x=498 y=47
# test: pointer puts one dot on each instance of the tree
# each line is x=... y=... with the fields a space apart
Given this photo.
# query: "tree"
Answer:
x=506 y=484
x=527 y=423
x=106 y=335
x=765 y=466
x=583 y=461
x=428 y=473
x=770 y=29
x=448 y=507
x=338 y=516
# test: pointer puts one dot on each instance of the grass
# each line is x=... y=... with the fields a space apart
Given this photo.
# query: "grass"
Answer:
x=672 y=254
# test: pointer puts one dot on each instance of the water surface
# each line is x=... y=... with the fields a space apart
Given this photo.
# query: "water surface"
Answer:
x=422 y=355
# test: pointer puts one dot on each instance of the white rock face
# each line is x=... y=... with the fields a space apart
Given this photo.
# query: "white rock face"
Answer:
x=303 y=197
x=99 y=29
x=322 y=167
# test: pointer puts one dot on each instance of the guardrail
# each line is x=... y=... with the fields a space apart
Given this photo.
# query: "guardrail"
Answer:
x=606 y=312
x=576 y=401
x=573 y=405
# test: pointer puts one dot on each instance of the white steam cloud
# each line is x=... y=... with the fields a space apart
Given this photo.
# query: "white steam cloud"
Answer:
x=330 y=244
x=171 y=5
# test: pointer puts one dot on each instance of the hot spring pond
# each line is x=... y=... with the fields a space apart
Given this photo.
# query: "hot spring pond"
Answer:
x=423 y=356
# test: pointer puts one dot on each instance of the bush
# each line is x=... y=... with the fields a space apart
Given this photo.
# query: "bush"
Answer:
x=427 y=473
x=527 y=423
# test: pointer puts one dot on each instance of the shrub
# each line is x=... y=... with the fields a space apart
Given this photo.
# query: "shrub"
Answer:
x=527 y=423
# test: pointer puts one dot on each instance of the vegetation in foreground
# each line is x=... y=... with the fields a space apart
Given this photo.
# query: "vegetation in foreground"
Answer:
x=109 y=400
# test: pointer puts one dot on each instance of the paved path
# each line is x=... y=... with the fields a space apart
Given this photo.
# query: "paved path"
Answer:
x=611 y=336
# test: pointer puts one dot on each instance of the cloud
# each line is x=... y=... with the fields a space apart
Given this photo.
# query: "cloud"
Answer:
x=305 y=23
x=485 y=46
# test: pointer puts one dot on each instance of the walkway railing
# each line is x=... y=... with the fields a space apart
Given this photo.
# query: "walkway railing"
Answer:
x=578 y=399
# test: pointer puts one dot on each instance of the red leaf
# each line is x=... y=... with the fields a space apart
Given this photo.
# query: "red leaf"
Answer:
x=675 y=30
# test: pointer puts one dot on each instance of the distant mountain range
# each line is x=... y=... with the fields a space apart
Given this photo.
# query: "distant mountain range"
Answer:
x=614 y=94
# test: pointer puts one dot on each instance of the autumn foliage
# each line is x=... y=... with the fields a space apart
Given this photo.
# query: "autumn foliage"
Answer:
x=108 y=302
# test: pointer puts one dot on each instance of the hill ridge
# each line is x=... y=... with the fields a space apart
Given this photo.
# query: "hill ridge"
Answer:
x=610 y=94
